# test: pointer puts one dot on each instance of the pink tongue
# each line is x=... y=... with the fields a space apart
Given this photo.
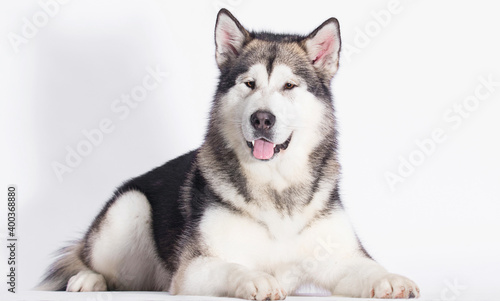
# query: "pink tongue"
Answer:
x=263 y=150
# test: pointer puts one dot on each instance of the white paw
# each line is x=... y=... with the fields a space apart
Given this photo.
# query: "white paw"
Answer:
x=86 y=281
x=393 y=286
x=258 y=286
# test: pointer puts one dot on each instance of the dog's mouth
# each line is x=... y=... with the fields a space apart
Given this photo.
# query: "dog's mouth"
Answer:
x=264 y=150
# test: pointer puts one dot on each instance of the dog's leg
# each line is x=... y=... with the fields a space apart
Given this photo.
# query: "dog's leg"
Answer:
x=70 y=273
x=340 y=265
x=214 y=277
x=363 y=277
x=122 y=248
x=118 y=253
x=86 y=281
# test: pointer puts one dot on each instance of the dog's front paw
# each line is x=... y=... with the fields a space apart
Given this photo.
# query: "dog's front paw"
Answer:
x=393 y=286
x=86 y=281
x=258 y=286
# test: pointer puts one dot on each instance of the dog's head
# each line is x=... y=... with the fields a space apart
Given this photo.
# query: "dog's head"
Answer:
x=274 y=92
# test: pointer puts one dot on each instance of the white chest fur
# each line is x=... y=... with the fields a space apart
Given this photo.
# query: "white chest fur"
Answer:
x=284 y=240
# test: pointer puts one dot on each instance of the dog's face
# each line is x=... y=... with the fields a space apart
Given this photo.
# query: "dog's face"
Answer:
x=274 y=95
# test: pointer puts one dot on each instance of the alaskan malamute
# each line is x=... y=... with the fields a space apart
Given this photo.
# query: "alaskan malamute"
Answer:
x=255 y=212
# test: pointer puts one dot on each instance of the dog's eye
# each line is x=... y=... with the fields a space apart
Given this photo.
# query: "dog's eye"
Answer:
x=289 y=86
x=250 y=84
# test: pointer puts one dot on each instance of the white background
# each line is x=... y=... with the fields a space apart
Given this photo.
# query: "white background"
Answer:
x=439 y=227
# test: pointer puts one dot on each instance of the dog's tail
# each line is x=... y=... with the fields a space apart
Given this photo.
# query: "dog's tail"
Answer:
x=67 y=264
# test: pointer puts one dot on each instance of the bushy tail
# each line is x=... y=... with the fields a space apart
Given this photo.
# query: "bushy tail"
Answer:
x=68 y=263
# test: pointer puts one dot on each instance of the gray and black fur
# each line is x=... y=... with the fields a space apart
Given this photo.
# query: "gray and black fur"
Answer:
x=182 y=190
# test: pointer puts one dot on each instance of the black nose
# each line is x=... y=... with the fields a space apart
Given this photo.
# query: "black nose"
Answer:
x=262 y=120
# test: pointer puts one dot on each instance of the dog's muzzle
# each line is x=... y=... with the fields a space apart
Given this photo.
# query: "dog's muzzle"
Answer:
x=262 y=147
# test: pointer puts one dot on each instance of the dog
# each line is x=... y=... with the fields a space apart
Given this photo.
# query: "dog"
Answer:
x=255 y=212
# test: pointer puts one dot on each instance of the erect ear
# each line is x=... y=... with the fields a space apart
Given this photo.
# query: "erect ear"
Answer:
x=323 y=47
x=230 y=37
